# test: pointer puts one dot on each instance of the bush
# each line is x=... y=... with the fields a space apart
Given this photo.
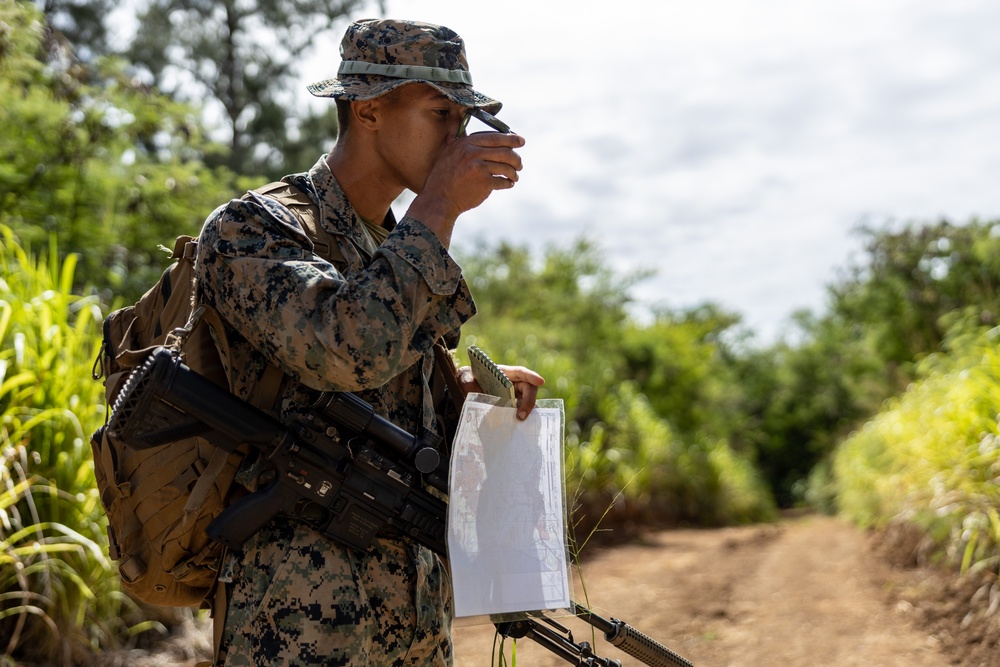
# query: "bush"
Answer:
x=627 y=463
x=932 y=457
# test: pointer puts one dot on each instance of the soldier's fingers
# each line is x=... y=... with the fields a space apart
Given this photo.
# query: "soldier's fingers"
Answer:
x=526 y=401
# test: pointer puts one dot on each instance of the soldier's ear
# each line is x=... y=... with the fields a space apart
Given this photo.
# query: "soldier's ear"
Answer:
x=366 y=113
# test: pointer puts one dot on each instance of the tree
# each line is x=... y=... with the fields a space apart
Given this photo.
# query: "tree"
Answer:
x=577 y=308
x=891 y=308
x=239 y=56
x=680 y=362
x=911 y=278
x=806 y=399
x=81 y=23
x=107 y=165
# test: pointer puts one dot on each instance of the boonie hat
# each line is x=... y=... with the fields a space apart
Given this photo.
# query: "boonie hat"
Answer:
x=379 y=55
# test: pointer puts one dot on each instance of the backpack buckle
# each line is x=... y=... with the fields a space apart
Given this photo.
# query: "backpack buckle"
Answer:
x=175 y=339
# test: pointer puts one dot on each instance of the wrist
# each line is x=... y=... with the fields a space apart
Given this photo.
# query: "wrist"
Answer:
x=436 y=213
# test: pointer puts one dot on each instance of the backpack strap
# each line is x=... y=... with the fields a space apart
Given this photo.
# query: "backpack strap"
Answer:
x=266 y=391
x=326 y=246
x=445 y=367
x=307 y=211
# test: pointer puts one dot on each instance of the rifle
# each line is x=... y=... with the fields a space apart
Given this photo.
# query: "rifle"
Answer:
x=332 y=470
x=558 y=639
x=340 y=468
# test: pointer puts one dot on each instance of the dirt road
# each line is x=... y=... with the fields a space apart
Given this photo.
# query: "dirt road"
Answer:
x=808 y=591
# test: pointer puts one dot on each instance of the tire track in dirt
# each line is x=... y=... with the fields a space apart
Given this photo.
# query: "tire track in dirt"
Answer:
x=807 y=591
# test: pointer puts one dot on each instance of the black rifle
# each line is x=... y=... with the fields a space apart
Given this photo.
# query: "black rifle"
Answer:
x=558 y=639
x=339 y=467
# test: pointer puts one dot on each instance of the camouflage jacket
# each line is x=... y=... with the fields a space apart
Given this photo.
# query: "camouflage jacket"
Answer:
x=367 y=326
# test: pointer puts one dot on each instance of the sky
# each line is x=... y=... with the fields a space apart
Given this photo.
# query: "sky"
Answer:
x=733 y=147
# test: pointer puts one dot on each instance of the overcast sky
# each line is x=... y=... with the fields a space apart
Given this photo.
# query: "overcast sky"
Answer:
x=731 y=145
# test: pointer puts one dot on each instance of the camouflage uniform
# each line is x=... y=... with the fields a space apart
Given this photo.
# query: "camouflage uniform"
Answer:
x=367 y=326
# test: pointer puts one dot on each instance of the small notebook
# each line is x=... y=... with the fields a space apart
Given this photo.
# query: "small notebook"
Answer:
x=489 y=376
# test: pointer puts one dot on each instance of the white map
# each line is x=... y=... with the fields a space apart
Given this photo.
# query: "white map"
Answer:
x=506 y=511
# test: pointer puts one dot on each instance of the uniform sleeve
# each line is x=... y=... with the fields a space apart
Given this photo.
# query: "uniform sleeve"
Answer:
x=331 y=331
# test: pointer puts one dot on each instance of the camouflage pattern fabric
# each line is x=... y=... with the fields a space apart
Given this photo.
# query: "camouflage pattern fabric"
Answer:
x=368 y=326
x=379 y=55
x=300 y=601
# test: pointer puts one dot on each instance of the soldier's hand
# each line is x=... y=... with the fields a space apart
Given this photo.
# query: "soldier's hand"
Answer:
x=470 y=168
x=526 y=384
x=466 y=172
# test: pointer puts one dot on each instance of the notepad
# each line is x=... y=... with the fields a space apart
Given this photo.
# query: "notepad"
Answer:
x=491 y=379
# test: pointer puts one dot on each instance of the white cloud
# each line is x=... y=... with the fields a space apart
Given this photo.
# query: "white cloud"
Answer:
x=732 y=145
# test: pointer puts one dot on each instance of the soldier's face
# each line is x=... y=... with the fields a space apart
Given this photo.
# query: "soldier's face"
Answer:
x=417 y=123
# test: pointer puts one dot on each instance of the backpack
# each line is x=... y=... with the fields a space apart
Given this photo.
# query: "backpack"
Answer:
x=158 y=501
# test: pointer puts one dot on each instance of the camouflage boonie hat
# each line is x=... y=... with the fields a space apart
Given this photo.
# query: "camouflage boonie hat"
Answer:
x=382 y=54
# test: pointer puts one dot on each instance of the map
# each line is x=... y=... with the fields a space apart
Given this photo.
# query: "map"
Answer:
x=506 y=511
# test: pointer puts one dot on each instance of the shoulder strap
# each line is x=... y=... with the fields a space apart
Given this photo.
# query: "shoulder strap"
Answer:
x=265 y=393
x=444 y=364
x=307 y=211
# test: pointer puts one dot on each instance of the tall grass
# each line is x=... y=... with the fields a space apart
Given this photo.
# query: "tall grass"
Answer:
x=931 y=458
x=59 y=597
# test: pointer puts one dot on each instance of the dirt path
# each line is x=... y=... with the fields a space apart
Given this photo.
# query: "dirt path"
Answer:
x=805 y=592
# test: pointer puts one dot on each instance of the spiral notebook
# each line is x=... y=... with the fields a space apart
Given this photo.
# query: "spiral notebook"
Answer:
x=491 y=379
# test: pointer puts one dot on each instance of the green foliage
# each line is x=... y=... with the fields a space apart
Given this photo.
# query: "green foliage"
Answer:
x=915 y=276
x=59 y=591
x=566 y=317
x=806 y=398
x=558 y=313
x=239 y=59
x=702 y=372
x=634 y=459
x=932 y=456
x=891 y=308
x=92 y=155
x=679 y=361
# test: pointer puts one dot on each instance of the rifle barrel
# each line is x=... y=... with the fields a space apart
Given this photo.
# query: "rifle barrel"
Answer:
x=631 y=641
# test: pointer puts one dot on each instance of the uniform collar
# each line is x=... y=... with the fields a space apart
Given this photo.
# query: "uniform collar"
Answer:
x=337 y=215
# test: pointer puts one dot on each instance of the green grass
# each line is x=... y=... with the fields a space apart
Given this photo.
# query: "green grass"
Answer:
x=60 y=598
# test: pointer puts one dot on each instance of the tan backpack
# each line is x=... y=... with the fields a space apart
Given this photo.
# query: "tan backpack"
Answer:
x=158 y=501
